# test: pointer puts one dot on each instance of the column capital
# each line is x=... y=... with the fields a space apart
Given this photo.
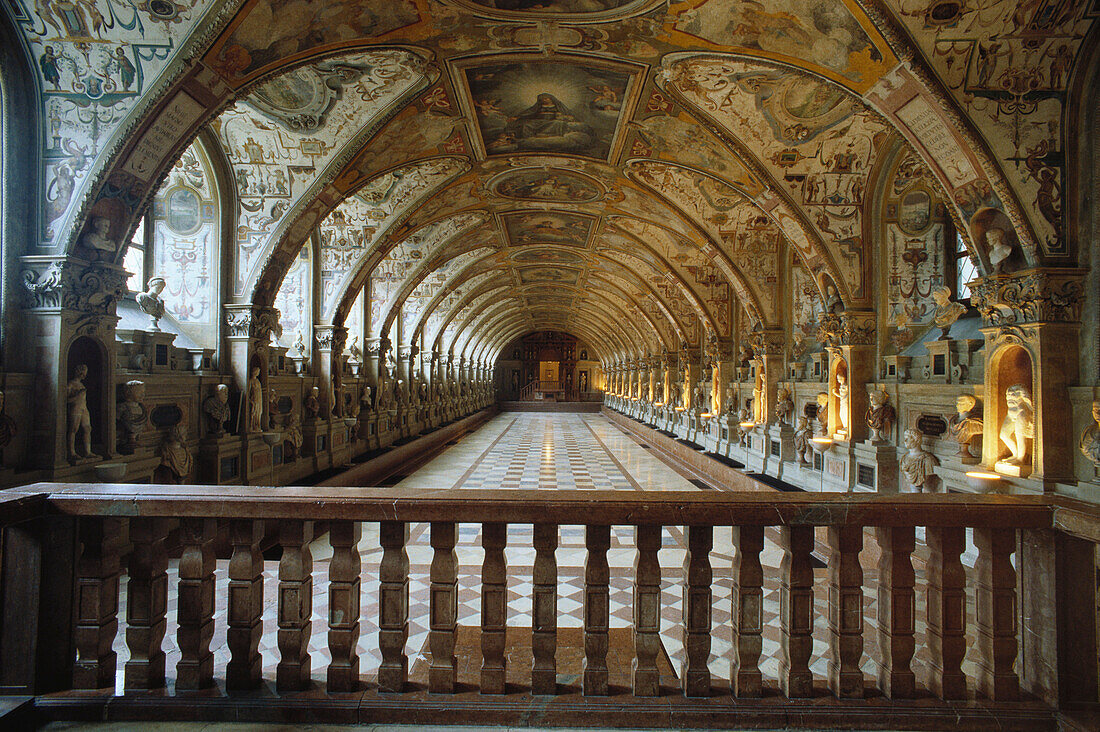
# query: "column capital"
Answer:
x=1038 y=295
x=331 y=337
x=768 y=342
x=850 y=328
x=248 y=321
x=68 y=283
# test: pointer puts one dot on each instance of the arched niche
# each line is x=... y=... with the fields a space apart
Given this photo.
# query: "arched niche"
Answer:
x=1010 y=366
x=840 y=391
x=87 y=351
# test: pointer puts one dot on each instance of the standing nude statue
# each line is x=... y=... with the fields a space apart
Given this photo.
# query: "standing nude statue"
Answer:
x=80 y=419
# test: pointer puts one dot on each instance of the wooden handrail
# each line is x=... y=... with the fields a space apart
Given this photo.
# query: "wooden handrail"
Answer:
x=668 y=508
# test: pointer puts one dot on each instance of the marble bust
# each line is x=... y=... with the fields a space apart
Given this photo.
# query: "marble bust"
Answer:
x=917 y=463
x=150 y=301
x=966 y=423
x=822 y=429
x=216 y=407
x=174 y=455
x=784 y=407
x=1090 y=439
x=98 y=237
x=1018 y=426
x=880 y=416
x=313 y=402
x=132 y=415
x=802 y=436
x=947 y=312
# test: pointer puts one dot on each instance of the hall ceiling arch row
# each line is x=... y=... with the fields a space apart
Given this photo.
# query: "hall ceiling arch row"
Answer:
x=801 y=91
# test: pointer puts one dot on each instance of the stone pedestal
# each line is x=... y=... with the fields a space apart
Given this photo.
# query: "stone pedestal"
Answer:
x=220 y=460
x=781 y=453
x=836 y=470
x=875 y=468
x=756 y=450
x=259 y=462
x=950 y=361
x=315 y=444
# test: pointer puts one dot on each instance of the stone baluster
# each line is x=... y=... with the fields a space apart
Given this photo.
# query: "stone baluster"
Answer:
x=246 y=605
x=748 y=611
x=796 y=600
x=146 y=604
x=647 y=611
x=845 y=611
x=295 y=606
x=597 y=607
x=393 y=606
x=544 y=611
x=996 y=614
x=695 y=674
x=494 y=607
x=195 y=604
x=97 y=602
x=343 y=599
x=444 y=608
x=896 y=611
x=946 y=611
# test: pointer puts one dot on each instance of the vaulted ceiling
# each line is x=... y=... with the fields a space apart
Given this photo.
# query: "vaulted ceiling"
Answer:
x=638 y=172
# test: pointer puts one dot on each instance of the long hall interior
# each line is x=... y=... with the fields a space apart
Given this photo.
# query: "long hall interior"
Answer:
x=622 y=363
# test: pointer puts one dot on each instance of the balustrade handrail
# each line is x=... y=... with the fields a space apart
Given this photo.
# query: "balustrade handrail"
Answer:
x=587 y=507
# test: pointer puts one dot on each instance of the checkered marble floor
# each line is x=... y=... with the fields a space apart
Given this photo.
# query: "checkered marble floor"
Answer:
x=579 y=451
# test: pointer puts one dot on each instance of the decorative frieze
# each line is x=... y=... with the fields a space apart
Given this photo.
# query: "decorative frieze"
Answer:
x=1030 y=296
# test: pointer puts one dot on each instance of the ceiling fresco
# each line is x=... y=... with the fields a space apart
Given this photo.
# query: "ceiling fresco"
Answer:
x=644 y=169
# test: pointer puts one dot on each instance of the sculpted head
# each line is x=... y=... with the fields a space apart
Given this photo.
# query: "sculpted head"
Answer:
x=878 y=398
x=1018 y=397
x=81 y=371
x=1095 y=408
x=912 y=439
x=221 y=391
x=964 y=403
x=941 y=294
x=822 y=400
x=156 y=285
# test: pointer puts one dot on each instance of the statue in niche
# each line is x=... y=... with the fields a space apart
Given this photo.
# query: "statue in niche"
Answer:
x=675 y=394
x=822 y=429
x=150 y=301
x=313 y=402
x=880 y=416
x=730 y=407
x=98 y=238
x=1090 y=439
x=917 y=463
x=175 y=458
x=1018 y=426
x=966 y=423
x=132 y=416
x=255 y=401
x=292 y=437
x=947 y=312
x=272 y=408
x=784 y=407
x=80 y=419
x=759 y=408
x=802 y=436
x=841 y=394
x=216 y=407
x=8 y=429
